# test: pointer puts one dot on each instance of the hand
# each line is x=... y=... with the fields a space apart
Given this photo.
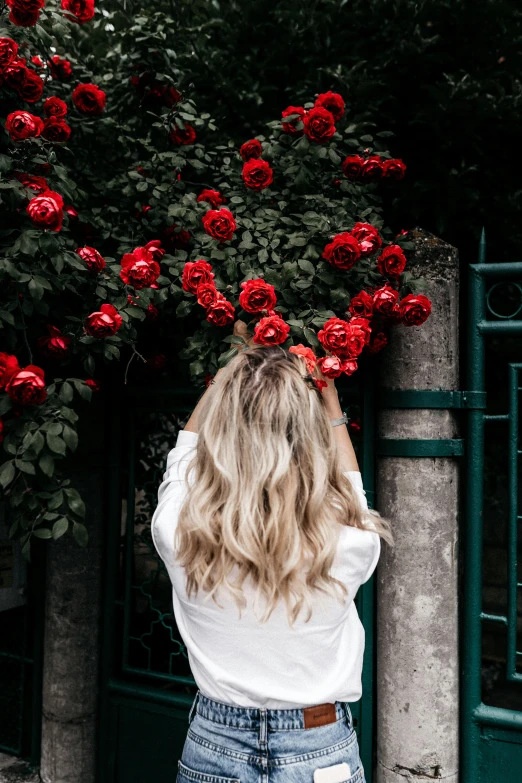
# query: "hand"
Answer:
x=241 y=330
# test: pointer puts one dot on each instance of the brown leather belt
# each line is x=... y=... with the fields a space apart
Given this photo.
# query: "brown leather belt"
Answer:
x=319 y=715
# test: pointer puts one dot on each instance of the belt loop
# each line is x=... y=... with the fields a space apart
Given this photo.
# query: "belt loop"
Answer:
x=348 y=713
x=193 y=705
x=263 y=730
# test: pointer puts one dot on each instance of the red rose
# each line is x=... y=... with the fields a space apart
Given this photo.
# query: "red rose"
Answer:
x=350 y=366
x=139 y=268
x=251 y=149
x=219 y=224
x=54 y=107
x=220 y=312
x=332 y=102
x=155 y=249
x=343 y=252
x=80 y=11
x=8 y=366
x=319 y=125
x=307 y=354
x=37 y=60
x=56 y=129
x=27 y=386
x=414 y=309
x=71 y=211
x=60 y=67
x=271 y=330
x=46 y=211
x=92 y=384
x=385 y=301
x=294 y=124
x=8 y=52
x=257 y=296
x=89 y=99
x=367 y=237
x=320 y=384
x=355 y=427
x=212 y=197
x=175 y=238
x=94 y=261
x=21 y=125
x=15 y=74
x=32 y=87
x=331 y=366
x=378 y=341
x=104 y=322
x=257 y=174
x=372 y=169
x=56 y=345
x=394 y=168
x=207 y=294
x=36 y=184
x=196 y=273
x=392 y=261
x=185 y=136
x=152 y=312
x=364 y=324
x=361 y=305
x=342 y=338
x=171 y=97
x=24 y=13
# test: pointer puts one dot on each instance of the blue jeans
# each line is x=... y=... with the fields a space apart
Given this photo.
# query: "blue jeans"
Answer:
x=227 y=744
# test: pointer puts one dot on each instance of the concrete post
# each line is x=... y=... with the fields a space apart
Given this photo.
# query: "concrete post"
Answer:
x=72 y=625
x=417 y=586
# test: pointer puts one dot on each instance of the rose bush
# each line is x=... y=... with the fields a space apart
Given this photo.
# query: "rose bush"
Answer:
x=126 y=211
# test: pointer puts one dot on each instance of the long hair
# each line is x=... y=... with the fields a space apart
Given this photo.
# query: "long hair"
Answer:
x=266 y=491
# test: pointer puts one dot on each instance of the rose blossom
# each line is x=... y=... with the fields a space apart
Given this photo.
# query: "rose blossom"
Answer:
x=27 y=386
x=291 y=126
x=251 y=149
x=212 y=197
x=24 y=13
x=56 y=345
x=343 y=251
x=257 y=296
x=220 y=312
x=56 y=129
x=139 y=268
x=94 y=261
x=8 y=52
x=89 y=99
x=207 y=294
x=343 y=338
x=36 y=184
x=352 y=166
x=15 y=74
x=184 y=136
x=271 y=330
x=364 y=324
x=152 y=312
x=361 y=305
x=257 y=174
x=385 y=301
x=46 y=211
x=60 y=67
x=155 y=249
x=350 y=366
x=32 y=87
x=378 y=341
x=319 y=125
x=367 y=237
x=307 y=354
x=372 y=169
x=175 y=237
x=80 y=11
x=92 y=384
x=394 y=169
x=219 y=224
x=54 y=107
x=332 y=102
x=414 y=309
x=392 y=261
x=8 y=366
x=104 y=322
x=330 y=366
x=21 y=125
x=196 y=273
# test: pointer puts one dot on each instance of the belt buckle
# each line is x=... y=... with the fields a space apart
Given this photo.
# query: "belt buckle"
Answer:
x=319 y=715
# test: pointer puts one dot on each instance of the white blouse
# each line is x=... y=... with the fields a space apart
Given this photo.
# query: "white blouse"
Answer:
x=249 y=664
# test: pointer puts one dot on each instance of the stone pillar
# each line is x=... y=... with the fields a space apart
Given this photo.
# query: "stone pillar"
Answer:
x=417 y=585
x=72 y=623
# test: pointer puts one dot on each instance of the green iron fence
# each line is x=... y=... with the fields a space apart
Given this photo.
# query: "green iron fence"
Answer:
x=492 y=631
x=147 y=687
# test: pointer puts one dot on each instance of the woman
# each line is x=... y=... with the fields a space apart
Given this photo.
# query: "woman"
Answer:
x=264 y=528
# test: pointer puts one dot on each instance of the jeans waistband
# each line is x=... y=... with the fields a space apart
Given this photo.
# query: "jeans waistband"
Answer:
x=255 y=717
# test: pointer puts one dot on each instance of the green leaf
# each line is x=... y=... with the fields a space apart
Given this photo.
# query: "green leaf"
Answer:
x=60 y=527
x=56 y=443
x=306 y=266
x=66 y=392
x=76 y=504
x=311 y=337
x=42 y=532
x=55 y=501
x=80 y=533
x=70 y=437
x=46 y=464
x=5 y=404
x=25 y=466
x=7 y=473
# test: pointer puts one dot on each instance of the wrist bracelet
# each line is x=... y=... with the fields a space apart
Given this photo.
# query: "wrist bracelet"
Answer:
x=343 y=420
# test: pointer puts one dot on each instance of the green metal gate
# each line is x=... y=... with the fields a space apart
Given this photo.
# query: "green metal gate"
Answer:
x=147 y=687
x=492 y=638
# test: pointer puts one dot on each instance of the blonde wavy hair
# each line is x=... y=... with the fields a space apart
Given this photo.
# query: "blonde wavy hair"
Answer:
x=266 y=490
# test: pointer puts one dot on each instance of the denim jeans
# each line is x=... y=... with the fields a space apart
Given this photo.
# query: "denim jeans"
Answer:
x=227 y=744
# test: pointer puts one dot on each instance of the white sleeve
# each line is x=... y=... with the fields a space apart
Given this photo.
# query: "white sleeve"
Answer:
x=171 y=494
x=375 y=550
